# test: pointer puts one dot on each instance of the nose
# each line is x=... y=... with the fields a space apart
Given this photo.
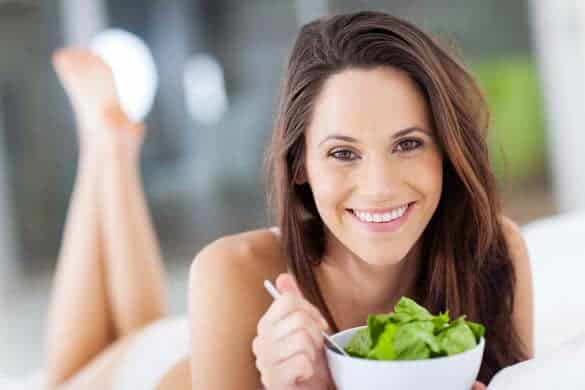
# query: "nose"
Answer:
x=380 y=180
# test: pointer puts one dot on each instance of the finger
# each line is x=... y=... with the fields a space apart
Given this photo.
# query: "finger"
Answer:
x=298 y=342
x=297 y=367
x=259 y=349
x=478 y=386
x=295 y=321
x=257 y=346
x=259 y=361
x=285 y=282
x=283 y=306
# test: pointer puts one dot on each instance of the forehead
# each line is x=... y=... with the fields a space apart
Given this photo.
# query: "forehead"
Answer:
x=381 y=100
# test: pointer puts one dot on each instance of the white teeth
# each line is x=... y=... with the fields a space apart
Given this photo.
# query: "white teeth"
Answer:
x=394 y=214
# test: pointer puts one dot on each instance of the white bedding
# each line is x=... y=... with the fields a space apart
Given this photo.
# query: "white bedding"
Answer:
x=563 y=368
x=157 y=349
x=557 y=251
x=556 y=247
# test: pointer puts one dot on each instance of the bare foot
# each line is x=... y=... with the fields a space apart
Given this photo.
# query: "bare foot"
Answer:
x=90 y=85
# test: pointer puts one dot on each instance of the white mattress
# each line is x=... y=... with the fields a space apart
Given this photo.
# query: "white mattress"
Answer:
x=150 y=356
x=32 y=382
x=557 y=254
x=153 y=353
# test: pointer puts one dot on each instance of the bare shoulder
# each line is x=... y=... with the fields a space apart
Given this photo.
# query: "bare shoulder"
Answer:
x=524 y=296
x=513 y=235
x=256 y=253
x=226 y=301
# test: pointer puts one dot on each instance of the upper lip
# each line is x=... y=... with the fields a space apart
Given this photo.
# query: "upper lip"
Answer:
x=381 y=211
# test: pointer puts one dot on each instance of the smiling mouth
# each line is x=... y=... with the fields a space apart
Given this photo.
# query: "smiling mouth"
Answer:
x=381 y=217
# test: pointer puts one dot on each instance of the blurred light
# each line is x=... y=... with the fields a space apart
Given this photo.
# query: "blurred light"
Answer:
x=133 y=68
x=205 y=92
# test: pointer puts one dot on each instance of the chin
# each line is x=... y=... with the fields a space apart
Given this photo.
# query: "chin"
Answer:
x=382 y=257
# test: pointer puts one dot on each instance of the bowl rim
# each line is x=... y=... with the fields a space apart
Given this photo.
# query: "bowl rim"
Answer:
x=330 y=351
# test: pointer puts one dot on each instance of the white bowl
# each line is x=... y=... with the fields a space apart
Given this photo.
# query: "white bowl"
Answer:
x=455 y=372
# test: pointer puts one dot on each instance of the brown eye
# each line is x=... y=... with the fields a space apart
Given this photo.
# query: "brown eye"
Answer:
x=408 y=145
x=343 y=155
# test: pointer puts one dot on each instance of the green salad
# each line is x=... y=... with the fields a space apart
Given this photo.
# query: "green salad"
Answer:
x=410 y=332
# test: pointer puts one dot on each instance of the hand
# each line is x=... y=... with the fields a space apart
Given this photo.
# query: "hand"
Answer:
x=289 y=344
x=478 y=386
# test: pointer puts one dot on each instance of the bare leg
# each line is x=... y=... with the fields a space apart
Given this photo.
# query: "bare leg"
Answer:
x=135 y=272
x=79 y=322
x=109 y=279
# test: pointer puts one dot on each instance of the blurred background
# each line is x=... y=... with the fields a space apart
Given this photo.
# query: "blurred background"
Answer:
x=208 y=80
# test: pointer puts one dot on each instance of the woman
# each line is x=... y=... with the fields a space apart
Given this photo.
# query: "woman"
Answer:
x=381 y=187
x=376 y=122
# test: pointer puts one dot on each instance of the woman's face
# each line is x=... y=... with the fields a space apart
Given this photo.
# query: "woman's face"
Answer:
x=372 y=162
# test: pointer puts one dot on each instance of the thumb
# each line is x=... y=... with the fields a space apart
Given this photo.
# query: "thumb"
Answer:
x=286 y=283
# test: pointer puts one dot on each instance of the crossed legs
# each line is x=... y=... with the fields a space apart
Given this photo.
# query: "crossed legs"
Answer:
x=109 y=280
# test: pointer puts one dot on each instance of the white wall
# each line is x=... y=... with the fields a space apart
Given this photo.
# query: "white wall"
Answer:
x=559 y=37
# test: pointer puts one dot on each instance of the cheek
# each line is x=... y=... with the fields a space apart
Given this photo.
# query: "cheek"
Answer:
x=329 y=185
x=328 y=188
x=427 y=177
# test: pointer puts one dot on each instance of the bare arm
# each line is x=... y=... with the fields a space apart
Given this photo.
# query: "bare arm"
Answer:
x=523 y=315
x=226 y=301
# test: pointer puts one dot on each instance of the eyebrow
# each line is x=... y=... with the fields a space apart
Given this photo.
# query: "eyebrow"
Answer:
x=399 y=133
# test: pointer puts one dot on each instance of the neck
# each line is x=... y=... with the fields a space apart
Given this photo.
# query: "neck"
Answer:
x=365 y=288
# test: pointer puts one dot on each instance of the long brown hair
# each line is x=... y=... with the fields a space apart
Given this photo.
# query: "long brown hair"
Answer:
x=466 y=265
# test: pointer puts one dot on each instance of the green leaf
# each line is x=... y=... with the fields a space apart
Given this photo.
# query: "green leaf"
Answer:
x=407 y=310
x=477 y=329
x=456 y=338
x=410 y=332
x=360 y=344
x=441 y=321
x=415 y=340
x=376 y=324
x=384 y=349
x=416 y=351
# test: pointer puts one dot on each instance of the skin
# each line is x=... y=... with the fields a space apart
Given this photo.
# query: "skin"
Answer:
x=377 y=171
